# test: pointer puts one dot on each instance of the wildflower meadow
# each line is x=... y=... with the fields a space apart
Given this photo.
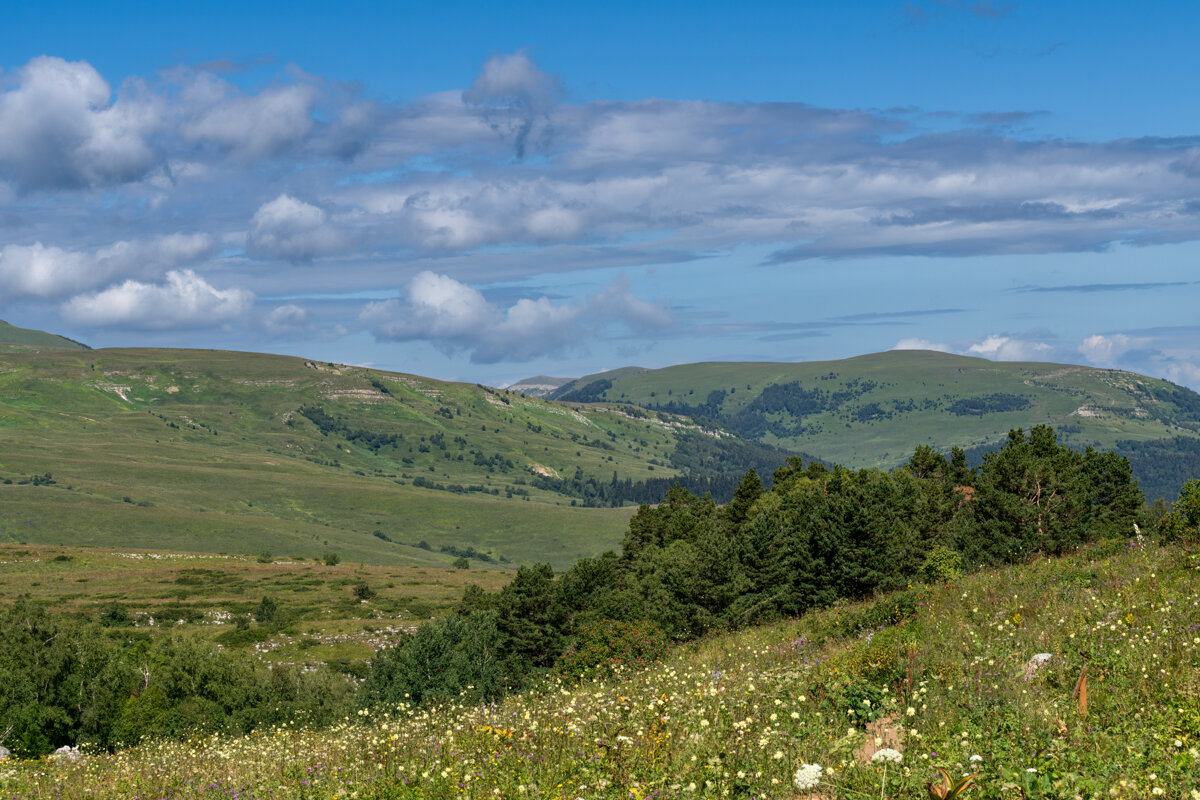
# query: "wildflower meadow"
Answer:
x=842 y=702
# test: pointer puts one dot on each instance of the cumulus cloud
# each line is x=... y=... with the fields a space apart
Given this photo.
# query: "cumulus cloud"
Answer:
x=60 y=127
x=287 y=320
x=455 y=317
x=293 y=229
x=251 y=126
x=1009 y=348
x=48 y=272
x=1106 y=351
x=515 y=98
x=914 y=343
x=184 y=300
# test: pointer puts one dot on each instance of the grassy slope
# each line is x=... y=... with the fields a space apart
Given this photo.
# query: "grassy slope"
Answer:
x=1089 y=406
x=205 y=450
x=943 y=669
x=14 y=339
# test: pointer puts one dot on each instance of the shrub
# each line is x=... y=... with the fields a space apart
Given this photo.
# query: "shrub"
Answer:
x=267 y=612
x=601 y=647
x=332 y=559
x=942 y=565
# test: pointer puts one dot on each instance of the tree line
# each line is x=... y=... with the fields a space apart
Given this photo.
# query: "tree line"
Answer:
x=688 y=567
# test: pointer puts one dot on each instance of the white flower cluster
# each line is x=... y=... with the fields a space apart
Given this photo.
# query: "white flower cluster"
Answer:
x=808 y=776
x=887 y=756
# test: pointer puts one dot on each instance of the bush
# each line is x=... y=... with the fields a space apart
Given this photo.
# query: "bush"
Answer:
x=601 y=647
x=363 y=590
x=462 y=563
x=332 y=559
x=942 y=565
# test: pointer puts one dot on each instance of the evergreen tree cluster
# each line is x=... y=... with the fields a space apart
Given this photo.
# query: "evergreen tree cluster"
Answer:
x=688 y=566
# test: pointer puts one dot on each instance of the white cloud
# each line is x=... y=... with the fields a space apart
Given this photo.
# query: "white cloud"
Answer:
x=42 y=272
x=60 y=128
x=455 y=317
x=47 y=272
x=288 y=319
x=293 y=229
x=185 y=300
x=1007 y=348
x=1106 y=351
x=515 y=98
x=251 y=126
x=921 y=344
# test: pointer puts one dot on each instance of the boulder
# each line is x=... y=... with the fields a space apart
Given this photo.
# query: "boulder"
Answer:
x=1036 y=663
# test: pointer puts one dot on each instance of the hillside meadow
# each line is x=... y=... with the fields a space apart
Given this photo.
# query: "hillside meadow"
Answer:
x=941 y=674
x=324 y=615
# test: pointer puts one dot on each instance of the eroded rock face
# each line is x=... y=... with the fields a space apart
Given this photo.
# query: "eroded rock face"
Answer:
x=1036 y=663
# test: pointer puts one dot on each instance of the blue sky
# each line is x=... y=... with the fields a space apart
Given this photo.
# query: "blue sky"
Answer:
x=490 y=191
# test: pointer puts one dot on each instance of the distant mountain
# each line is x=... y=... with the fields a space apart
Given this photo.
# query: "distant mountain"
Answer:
x=873 y=410
x=14 y=339
x=538 y=385
x=242 y=452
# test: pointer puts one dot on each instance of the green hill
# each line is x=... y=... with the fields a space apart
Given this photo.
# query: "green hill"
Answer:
x=240 y=452
x=872 y=410
x=14 y=339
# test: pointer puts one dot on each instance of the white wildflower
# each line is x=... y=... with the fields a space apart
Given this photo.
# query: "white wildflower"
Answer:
x=887 y=756
x=808 y=776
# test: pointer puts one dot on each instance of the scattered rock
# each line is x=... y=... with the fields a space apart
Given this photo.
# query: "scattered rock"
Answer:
x=67 y=753
x=1036 y=663
x=4 y=753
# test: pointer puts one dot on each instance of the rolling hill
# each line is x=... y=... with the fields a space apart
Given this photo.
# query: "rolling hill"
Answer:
x=14 y=339
x=239 y=452
x=871 y=411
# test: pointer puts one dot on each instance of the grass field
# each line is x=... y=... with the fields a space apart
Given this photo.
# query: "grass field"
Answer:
x=202 y=450
x=167 y=593
x=940 y=674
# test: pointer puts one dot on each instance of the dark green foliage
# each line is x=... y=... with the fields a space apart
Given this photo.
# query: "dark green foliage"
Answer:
x=1159 y=463
x=331 y=559
x=1035 y=495
x=267 y=612
x=603 y=646
x=372 y=440
x=363 y=591
x=820 y=535
x=442 y=659
x=1183 y=521
x=989 y=404
x=531 y=617
x=591 y=393
x=66 y=682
